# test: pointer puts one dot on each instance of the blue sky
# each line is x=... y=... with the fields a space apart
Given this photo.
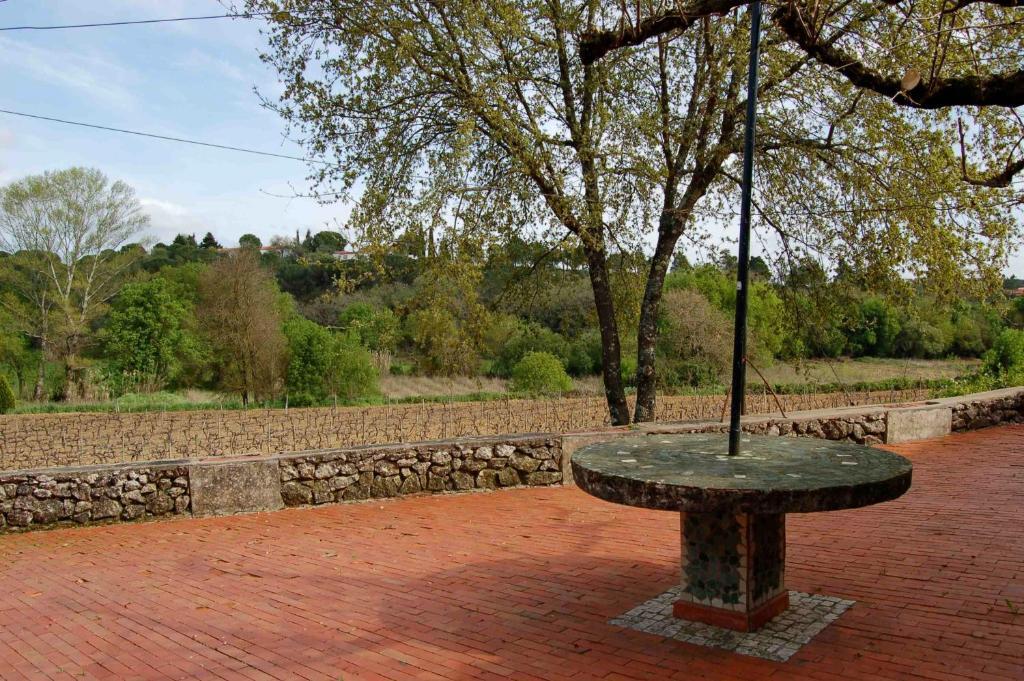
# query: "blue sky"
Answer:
x=187 y=79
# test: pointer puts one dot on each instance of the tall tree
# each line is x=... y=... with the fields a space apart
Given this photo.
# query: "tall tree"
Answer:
x=250 y=241
x=15 y=351
x=611 y=125
x=242 y=316
x=209 y=242
x=65 y=230
x=144 y=337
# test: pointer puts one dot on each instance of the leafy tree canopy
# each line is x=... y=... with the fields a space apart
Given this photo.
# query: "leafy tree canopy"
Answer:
x=209 y=242
x=602 y=123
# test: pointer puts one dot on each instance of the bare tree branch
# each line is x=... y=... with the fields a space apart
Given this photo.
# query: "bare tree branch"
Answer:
x=999 y=179
x=1000 y=89
x=597 y=44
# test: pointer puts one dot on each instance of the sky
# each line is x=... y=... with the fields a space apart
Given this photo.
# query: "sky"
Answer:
x=189 y=79
x=194 y=80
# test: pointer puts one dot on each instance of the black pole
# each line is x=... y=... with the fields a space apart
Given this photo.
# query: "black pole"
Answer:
x=739 y=346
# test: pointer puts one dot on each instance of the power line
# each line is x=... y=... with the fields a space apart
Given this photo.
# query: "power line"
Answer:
x=135 y=22
x=167 y=138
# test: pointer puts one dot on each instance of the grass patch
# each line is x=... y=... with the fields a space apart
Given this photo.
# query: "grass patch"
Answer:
x=864 y=370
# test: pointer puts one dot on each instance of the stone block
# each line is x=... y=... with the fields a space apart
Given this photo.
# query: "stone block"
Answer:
x=505 y=450
x=544 y=478
x=105 y=508
x=410 y=485
x=386 y=486
x=487 y=479
x=508 y=477
x=923 y=423
x=526 y=464
x=325 y=470
x=296 y=494
x=235 y=487
x=133 y=511
x=463 y=480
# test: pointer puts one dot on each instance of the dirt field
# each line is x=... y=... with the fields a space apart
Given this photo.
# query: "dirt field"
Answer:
x=865 y=369
x=404 y=387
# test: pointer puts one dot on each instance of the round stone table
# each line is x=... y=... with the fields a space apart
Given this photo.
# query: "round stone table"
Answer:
x=733 y=508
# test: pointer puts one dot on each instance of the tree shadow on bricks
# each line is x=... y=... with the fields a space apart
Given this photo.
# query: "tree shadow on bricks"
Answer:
x=454 y=588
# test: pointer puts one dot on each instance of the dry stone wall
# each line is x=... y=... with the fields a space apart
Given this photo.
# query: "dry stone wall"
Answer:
x=36 y=499
x=100 y=495
x=972 y=414
x=48 y=440
x=328 y=477
x=863 y=429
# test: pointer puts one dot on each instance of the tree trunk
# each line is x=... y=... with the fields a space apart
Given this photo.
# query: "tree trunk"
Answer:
x=647 y=332
x=37 y=393
x=21 y=371
x=611 y=351
x=670 y=228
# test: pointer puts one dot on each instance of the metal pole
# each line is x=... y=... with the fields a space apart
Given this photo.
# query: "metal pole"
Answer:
x=739 y=346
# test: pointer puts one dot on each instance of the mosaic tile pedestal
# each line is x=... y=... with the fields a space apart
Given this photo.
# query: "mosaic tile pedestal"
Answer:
x=733 y=508
x=733 y=569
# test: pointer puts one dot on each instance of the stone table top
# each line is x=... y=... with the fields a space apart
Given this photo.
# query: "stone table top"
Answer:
x=694 y=473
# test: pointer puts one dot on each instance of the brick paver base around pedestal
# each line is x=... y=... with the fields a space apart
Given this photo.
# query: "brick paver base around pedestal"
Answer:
x=518 y=585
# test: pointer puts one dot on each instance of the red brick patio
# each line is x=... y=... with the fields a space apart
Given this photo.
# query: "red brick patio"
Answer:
x=517 y=584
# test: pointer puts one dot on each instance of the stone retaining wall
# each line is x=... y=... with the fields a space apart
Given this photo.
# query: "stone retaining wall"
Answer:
x=987 y=409
x=127 y=492
x=328 y=477
x=34 y=499
x=864 y=429
x=92 y=495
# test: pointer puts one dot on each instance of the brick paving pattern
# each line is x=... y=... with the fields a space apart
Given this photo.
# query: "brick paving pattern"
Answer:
x=518 y=585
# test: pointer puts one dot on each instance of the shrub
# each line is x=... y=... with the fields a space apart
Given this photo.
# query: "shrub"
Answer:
x=923 y=338
x=627 y=368
x=323 y=364
x=351 y=374
x=1007 y=352
x=528 y=337
x=377 y=329
x=974 y=331
x=695 y=340
x=144 y=337
x=875 y=329
x=309 y=350
x=585 y=354
x=440 y=345
x=399 y=368
x=540 y=373
x=766 y=311
x=6 y=396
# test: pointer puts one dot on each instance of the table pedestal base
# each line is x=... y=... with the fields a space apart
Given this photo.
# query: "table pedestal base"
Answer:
x=733 y=569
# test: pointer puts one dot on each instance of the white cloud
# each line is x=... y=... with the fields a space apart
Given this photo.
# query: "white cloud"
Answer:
x=6 y=142
x=86 y=72
x=207 y=64
x=167 y=219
